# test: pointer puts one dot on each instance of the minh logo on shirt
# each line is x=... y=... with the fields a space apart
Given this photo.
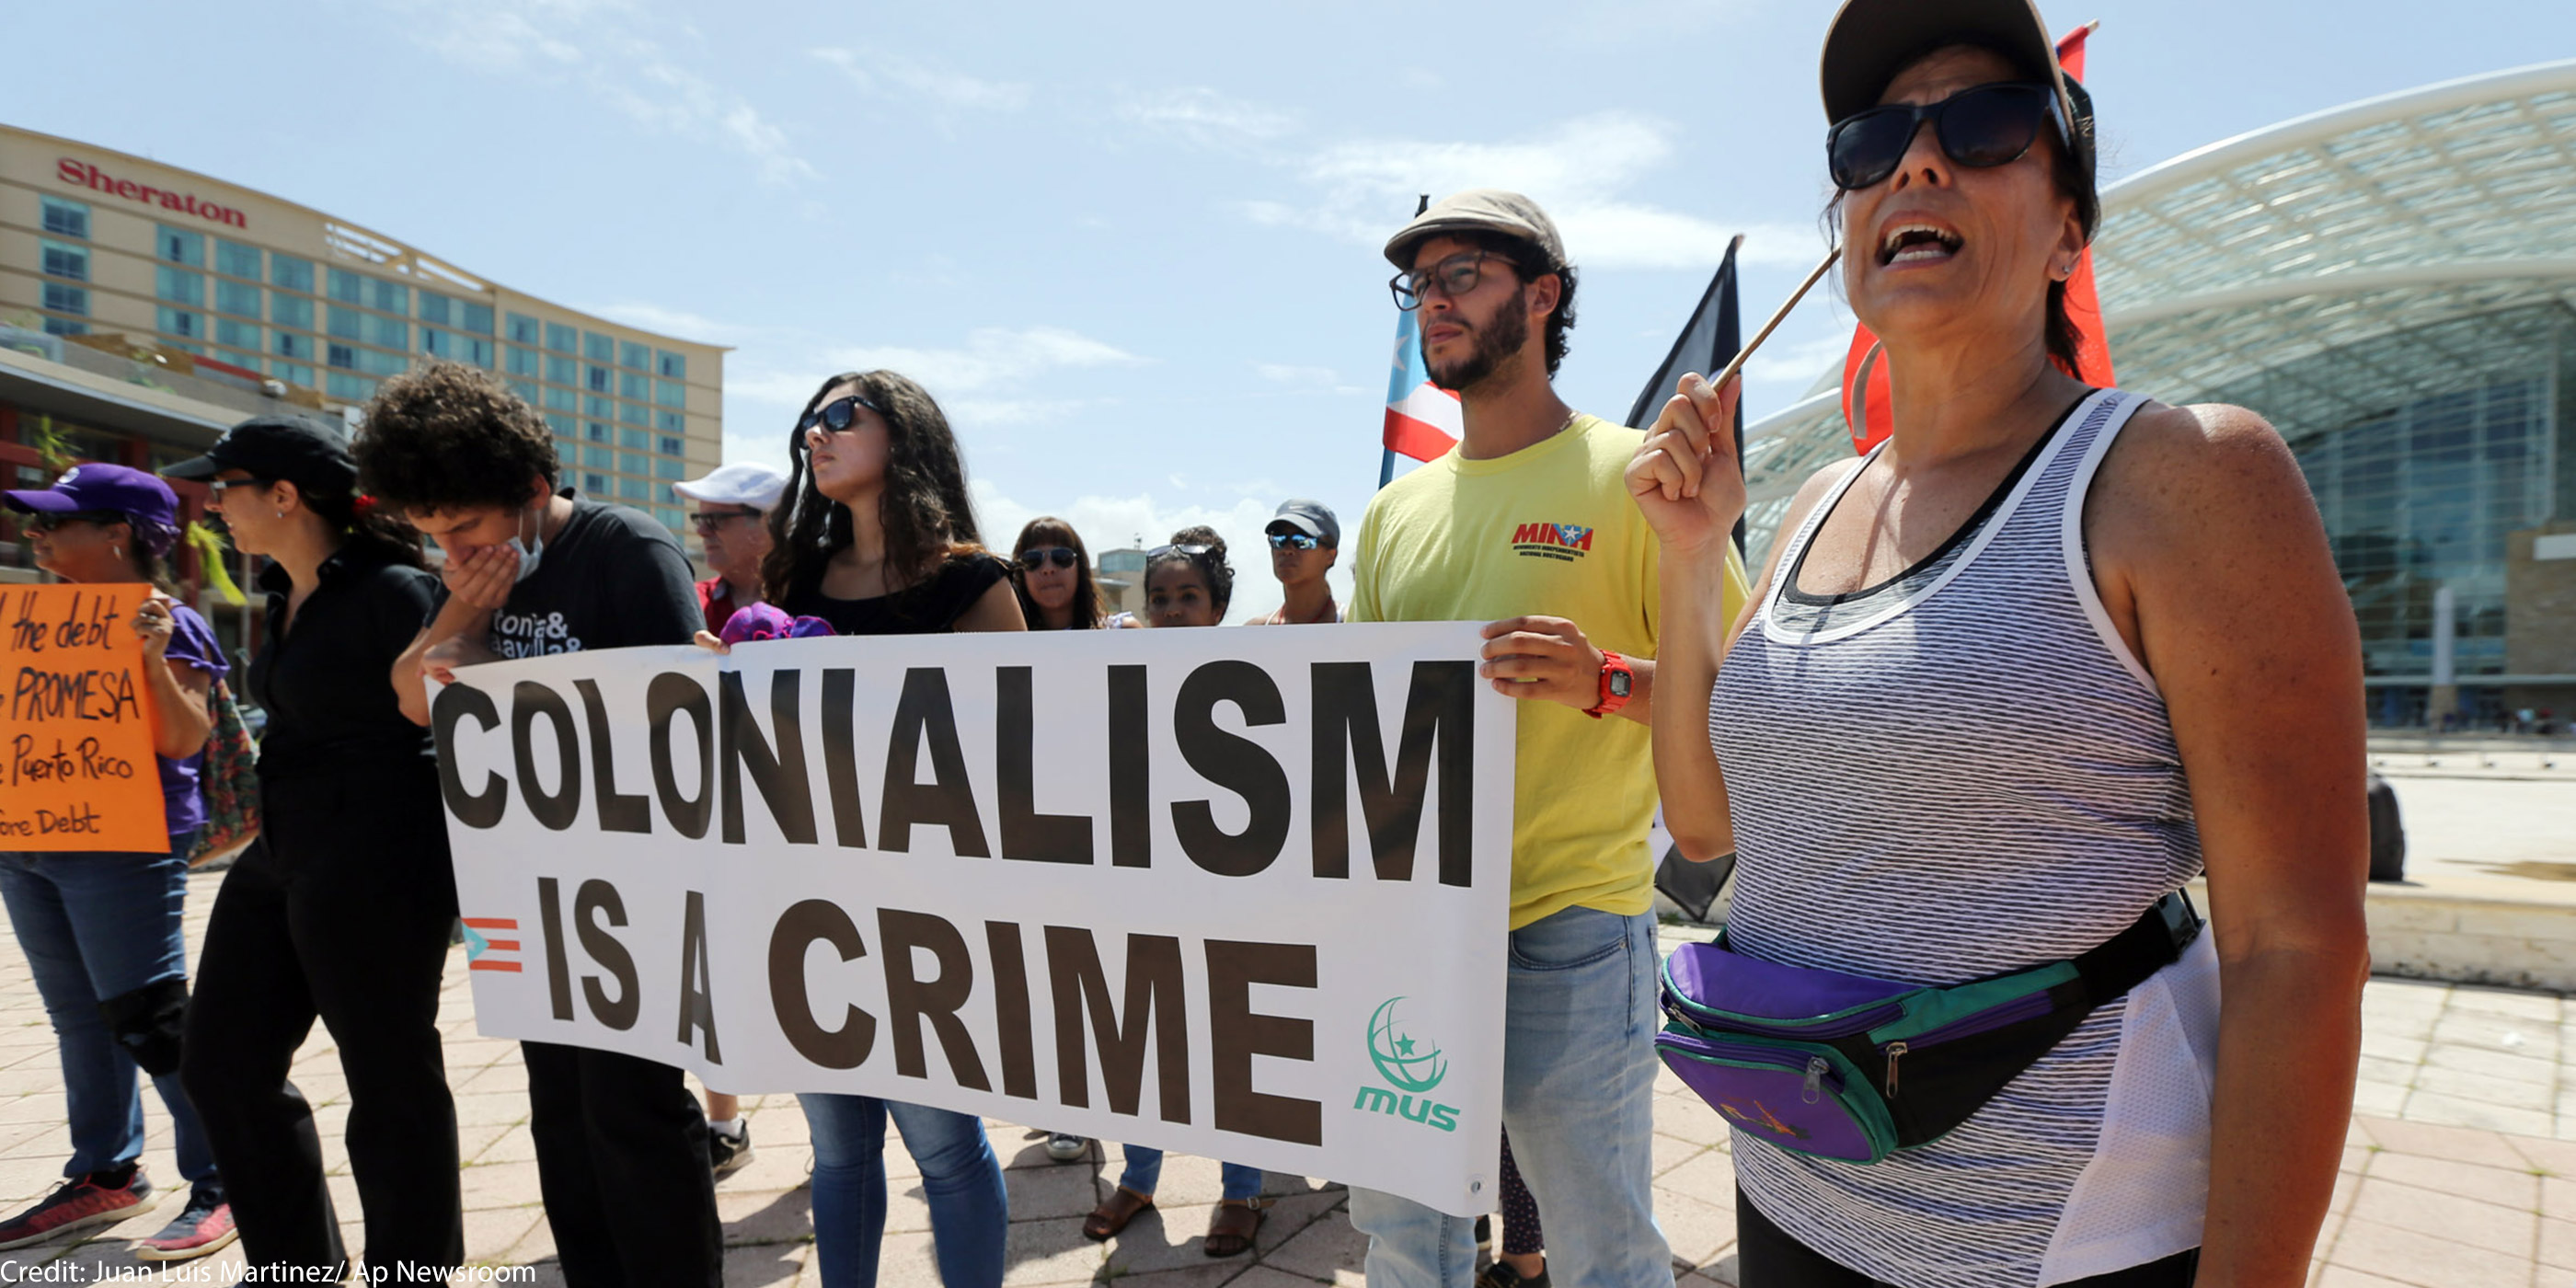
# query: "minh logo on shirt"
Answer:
x=1561 y=541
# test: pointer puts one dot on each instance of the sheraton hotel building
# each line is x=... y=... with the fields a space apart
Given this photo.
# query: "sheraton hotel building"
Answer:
x=144 y=309
x=2393 y=284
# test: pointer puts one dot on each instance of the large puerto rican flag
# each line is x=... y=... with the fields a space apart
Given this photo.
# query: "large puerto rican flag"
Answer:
x=1423 y=420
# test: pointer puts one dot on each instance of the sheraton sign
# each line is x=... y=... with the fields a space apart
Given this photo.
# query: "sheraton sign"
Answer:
x=83 y=174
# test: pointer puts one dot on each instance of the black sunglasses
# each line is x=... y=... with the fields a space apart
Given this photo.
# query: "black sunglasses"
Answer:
x=837 y=414
x=49 y=521
x=1037 y=557
x=1455 y=276
x=216 y=488
x=1980 y=127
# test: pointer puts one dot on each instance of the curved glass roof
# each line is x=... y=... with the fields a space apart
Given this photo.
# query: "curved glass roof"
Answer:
x=2389 y=215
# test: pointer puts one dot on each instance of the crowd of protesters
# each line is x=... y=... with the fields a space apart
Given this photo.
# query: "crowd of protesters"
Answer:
x=2006 y=684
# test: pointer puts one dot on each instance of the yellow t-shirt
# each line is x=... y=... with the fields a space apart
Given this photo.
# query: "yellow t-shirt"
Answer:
x=1546 y=531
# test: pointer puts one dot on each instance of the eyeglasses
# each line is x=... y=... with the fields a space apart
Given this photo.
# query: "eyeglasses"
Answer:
x=1179 y=552
x=216 y=488
x=1037 y=557
x=706 y=523
x=51 y=522
x=837 y=414
x=1981 y=127
x=1455 y=276
x=1293 y=541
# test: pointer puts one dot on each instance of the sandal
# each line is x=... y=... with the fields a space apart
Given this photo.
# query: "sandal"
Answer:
x=1230 y=1231
x=1113 y=1215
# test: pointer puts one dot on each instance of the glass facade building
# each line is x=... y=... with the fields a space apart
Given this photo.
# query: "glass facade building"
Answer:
x=94 y=243
x=2393 y=285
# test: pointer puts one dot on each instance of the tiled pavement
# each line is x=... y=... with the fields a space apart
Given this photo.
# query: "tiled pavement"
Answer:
x=2461 y=1166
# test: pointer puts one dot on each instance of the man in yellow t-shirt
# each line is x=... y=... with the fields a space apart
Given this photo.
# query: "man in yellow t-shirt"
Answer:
x=1527 y=524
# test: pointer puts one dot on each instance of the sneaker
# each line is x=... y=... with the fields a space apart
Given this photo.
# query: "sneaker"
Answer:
x=1064 y=1146
x=729 y=1154
x=1501 y=1275
x=84 y=1202
x=205 y=1225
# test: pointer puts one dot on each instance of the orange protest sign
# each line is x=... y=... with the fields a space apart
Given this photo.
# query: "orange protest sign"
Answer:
x=76 y=767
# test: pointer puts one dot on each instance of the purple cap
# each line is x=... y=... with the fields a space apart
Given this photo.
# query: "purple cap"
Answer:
x=109 y=489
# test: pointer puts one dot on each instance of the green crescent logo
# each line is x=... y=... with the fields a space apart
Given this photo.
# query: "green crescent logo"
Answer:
x=1397 y=1053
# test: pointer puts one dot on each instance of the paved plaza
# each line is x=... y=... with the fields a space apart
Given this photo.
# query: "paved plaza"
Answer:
x=2460 y=1168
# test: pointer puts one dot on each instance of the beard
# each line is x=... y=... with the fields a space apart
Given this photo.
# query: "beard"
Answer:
x=1496 y=343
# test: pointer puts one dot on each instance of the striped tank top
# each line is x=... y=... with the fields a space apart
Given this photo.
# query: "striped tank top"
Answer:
x=1958 y=773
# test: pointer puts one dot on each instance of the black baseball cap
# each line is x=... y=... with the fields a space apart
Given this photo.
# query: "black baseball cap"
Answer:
x=1870 y=41
x=300 y=450
x=1310 y=517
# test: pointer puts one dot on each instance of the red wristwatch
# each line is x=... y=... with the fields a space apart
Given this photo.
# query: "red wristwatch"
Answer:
x=1618 y=681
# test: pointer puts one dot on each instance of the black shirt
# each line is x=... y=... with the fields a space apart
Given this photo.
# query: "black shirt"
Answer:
x=321 y=677
x=929 y=608
x=613 y=578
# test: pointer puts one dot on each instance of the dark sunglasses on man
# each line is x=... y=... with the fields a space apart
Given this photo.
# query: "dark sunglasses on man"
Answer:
x=1293 y=541
x=837 y=414
x=1036 y=557
x=706 y=523
x=1979 y=127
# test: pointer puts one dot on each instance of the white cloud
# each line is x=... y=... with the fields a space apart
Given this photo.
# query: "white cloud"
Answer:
x=991 y=356
x=1207 y=118
x=891 y=76
x=1582 y=171
x=601 y=46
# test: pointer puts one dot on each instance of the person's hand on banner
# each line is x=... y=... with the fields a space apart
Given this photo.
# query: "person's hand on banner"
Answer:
x=1546 y=658
x=153 y=625
x=442 y=659
x=483 y=578
x=1685 y=478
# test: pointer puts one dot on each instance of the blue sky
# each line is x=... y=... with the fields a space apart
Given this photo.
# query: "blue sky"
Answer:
x=1132 y=249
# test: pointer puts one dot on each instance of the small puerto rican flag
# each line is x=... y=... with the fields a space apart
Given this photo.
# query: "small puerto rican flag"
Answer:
x=1423 y=420
x=482 y=951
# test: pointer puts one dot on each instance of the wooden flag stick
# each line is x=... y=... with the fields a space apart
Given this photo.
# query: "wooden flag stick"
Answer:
x=1736 y=367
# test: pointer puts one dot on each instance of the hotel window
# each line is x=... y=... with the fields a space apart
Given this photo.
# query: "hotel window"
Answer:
x=348 y=287
x=292 y=374
x=666 y=468
x=69 y=218
x=635 y=462
x=634 y=490
x=242 y=360
x=287 y=273
x=632 y=385
x=181 y=287
x=237 y=259
x=599 y=381
x=634 y=415
x=180 y=246
x=561 y=425
x=595 y=484
x=389 y=297
x=341 y=323
x=66 y=299
x=673 y=366
x=595 y=432
x=66 y=261
x=598 y=348
x=561 y=338
x=635 y=440
x=62 y=326
x=377 y=362
x=291 y=345
x=638 y=356
x=476 y=318
x=672 y=422
x=435 y=343
x=291 y=310
x=670 y=393
x=522 y=329
x=527 y=393
x=180 y=322
x=474 y=350
x=674 y=447
x=669 y=515
x=392 y=333
x=561 y=400
x=348 y=388
x=596 y=407
x=435 y=308
x=520 y=362
x=236 y=298
x=343 y=356
x=238 y=334
x=597 y=458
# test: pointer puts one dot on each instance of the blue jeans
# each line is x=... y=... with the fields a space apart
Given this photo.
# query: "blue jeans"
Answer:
x=969 y=1214
x=97 y=926
x=1578 y=1100
x=1145 y=1168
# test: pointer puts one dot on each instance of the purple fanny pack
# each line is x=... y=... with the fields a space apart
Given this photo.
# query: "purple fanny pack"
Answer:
x=1853 y=1068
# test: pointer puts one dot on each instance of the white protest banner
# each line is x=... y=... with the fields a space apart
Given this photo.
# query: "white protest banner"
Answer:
x=1239 y=893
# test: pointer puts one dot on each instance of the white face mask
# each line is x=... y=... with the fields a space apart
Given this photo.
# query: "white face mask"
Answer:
x=531 y=548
